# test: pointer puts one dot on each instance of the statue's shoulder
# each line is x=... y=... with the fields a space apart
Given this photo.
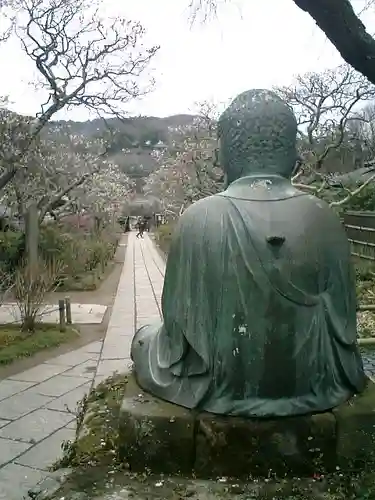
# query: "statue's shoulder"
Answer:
x=207 y=207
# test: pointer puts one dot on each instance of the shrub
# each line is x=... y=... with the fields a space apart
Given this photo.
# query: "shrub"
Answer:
x=363 y=201
x=164 y=235
x=11 y=246
x=80 y=252
x=31 y=285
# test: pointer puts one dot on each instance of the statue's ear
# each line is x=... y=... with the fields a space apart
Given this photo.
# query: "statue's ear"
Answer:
x=276 y=241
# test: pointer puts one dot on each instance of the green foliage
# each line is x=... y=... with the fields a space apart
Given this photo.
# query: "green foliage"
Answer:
x=98 y=413
x=80 y=252
x=164 y=236
x=363 y=201
x=31 y=285
x=10 y=245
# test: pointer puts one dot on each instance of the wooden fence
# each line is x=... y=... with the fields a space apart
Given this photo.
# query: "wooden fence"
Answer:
x=360 y=228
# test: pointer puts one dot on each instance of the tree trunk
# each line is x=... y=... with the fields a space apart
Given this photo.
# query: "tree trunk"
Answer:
x=345 y=30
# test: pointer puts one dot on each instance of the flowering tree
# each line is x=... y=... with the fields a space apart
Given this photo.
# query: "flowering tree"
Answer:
x=189 y=168
x=68 y=177
x=326 y=104
x=82 y=58
x=106 y=191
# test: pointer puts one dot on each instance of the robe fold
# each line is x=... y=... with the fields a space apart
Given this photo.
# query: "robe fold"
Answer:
x=259 y=307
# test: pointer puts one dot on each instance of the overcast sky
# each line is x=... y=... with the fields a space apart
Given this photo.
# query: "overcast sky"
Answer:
x=252 y=44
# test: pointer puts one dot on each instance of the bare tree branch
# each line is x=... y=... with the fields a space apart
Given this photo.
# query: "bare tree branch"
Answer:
x=83 y=60
x=336 y=18
x=325 y=104
x=353 y=193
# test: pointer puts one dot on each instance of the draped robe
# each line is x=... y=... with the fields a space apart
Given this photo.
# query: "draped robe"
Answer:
x=259 y=307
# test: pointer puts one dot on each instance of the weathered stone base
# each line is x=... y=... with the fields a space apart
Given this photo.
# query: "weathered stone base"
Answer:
x=155 y=435
x=162 y=437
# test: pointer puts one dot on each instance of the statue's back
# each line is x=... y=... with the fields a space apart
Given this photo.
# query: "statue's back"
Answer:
x=259 y=307
x=272 y=309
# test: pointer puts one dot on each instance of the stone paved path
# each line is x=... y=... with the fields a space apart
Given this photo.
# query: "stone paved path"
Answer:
x=137 y=302
x=36 y=405
x=36 y=416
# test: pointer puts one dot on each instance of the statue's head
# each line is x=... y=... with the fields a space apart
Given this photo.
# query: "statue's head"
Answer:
x=257 y=134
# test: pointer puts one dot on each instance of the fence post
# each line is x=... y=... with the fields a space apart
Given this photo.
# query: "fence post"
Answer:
x=68 y=307
x=62 y=315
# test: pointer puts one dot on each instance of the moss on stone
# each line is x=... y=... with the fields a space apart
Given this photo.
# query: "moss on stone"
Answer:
x=155 y=434
x=97 y=426
x=355 y=423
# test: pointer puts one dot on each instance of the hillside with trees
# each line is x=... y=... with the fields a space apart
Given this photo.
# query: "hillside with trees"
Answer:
x=132 y=142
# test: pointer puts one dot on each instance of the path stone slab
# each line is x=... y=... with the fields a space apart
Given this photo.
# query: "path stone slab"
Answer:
x=10 y=449
x=117 y=332
x=39 y=373
x=46 y=453
x=59 y=385
x=10 y=387
x=123 y=321
x=36 y=425
x=93 y=347
x=16 y=481
x=69 y=401
x=84 y=370
x=117 y=350
x=4 y=422
x=108 y=367
x=21 y=404
x=73 y=358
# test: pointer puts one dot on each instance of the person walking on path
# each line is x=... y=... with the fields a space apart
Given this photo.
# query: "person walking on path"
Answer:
x=141 y=228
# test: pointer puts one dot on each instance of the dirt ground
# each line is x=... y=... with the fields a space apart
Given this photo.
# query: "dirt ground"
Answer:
x=104 y=295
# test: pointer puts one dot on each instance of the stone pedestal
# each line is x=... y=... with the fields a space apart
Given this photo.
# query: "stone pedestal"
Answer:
x=155 y=435
x=162 y=437
x=239 y=447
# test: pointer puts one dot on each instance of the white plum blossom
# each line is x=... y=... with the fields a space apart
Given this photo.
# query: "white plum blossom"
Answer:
x=188 y=167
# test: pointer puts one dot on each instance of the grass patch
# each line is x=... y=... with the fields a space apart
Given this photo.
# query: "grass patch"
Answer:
x=15 y=344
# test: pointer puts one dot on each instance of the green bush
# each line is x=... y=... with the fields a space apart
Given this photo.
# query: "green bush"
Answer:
x=164 y=235
x=80 y=252
x=10 y=245
x=363 y=201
